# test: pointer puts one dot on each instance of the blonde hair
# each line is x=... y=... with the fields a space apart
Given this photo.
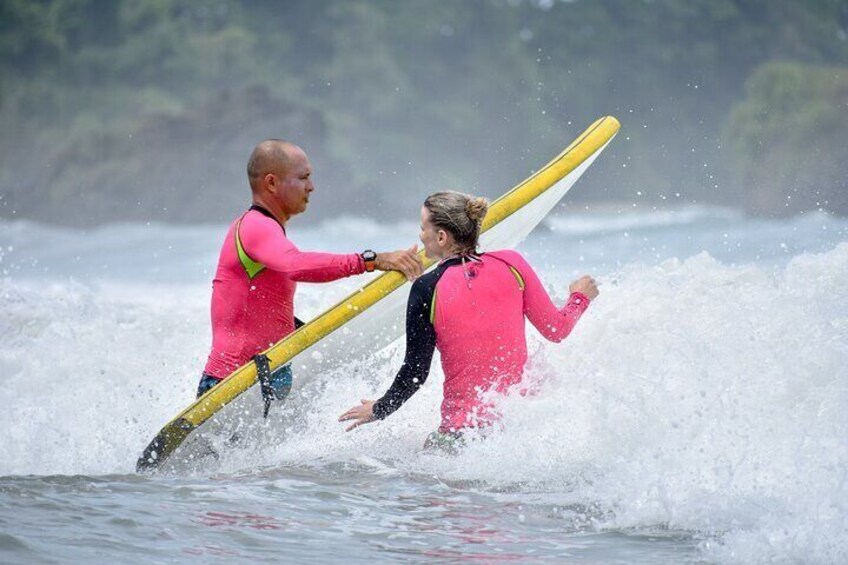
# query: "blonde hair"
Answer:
x=459 y=214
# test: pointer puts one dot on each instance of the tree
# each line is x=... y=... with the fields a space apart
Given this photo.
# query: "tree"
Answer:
x=789 y=137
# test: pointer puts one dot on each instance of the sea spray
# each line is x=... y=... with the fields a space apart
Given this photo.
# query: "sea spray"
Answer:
x=703 y=396
x=693 y=396
x=700 y=397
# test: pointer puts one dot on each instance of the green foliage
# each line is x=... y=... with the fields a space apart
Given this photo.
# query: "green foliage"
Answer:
x=789 y=136
x=117 y=107
x=791 y=102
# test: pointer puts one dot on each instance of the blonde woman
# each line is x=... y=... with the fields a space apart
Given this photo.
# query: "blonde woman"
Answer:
x=471 y=307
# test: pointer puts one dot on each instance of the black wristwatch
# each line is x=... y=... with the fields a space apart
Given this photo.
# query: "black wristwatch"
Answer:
x=370 y=259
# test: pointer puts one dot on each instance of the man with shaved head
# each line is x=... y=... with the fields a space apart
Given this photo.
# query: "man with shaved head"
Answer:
x=259 y=267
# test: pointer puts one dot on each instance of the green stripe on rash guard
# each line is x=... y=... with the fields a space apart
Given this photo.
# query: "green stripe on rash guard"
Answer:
x=433 y=307
x=518 y=277
x=252 y=267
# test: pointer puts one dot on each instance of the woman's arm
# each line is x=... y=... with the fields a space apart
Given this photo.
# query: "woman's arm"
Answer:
x=553 y=323
x=420 y=345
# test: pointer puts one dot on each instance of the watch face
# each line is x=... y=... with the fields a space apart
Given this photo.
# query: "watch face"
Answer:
x=369 y=255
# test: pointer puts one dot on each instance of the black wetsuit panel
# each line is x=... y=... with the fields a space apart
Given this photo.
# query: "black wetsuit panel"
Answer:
x=420 y=343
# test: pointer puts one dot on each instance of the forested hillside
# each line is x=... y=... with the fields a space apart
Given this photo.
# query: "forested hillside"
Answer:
x=137 y=110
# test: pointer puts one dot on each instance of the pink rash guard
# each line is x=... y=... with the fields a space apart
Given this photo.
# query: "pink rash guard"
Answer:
x=474 y=314
x=249 y=314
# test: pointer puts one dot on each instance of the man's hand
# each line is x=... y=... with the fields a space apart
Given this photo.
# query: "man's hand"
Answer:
x=585 y=285
x=362 y=414
x=405 y=261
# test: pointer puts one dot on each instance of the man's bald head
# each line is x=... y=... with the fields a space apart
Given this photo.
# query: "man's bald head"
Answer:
x=270 y=156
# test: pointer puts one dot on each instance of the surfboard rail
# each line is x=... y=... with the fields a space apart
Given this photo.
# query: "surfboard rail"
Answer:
x=168 y=440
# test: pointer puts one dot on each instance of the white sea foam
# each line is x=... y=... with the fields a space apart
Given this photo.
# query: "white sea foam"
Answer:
x=696 y=394
x=588 y=223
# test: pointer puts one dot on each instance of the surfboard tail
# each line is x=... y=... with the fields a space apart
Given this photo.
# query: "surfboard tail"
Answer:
x=165 y=443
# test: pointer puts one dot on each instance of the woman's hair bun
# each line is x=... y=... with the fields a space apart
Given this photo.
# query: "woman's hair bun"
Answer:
x=476 y=208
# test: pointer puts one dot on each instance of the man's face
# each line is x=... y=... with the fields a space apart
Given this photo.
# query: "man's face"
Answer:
x=295 y=183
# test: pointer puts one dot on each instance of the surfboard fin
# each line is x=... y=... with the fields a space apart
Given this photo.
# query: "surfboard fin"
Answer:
x=263 y=372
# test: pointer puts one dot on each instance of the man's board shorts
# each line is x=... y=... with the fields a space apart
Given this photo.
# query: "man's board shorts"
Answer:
x=281 y=382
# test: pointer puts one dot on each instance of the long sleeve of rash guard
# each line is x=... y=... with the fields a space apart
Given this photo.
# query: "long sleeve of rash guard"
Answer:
x=266 y=243
x=420 y=345
x=553 y=323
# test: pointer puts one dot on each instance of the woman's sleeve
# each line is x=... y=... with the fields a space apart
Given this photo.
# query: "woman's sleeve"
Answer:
x=420 y=345
x=266 y=243
x=553 y=323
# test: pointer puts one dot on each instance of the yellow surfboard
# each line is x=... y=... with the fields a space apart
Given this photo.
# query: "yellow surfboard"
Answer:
x=369 y=317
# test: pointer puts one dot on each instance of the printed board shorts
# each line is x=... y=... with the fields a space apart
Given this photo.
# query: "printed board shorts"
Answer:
x=281 y=382
x=446 y=442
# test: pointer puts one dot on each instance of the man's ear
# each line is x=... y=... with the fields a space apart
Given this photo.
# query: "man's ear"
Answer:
x=270 y=182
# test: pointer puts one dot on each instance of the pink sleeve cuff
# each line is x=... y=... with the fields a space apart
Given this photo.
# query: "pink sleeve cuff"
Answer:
x=579 y=300
x=359 y=264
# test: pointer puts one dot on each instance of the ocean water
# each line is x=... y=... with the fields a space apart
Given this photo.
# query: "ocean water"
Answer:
x=696 y=415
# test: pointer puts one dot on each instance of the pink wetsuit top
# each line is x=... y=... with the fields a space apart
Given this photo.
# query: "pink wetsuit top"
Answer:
x=251 y=314
x=477 y=310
